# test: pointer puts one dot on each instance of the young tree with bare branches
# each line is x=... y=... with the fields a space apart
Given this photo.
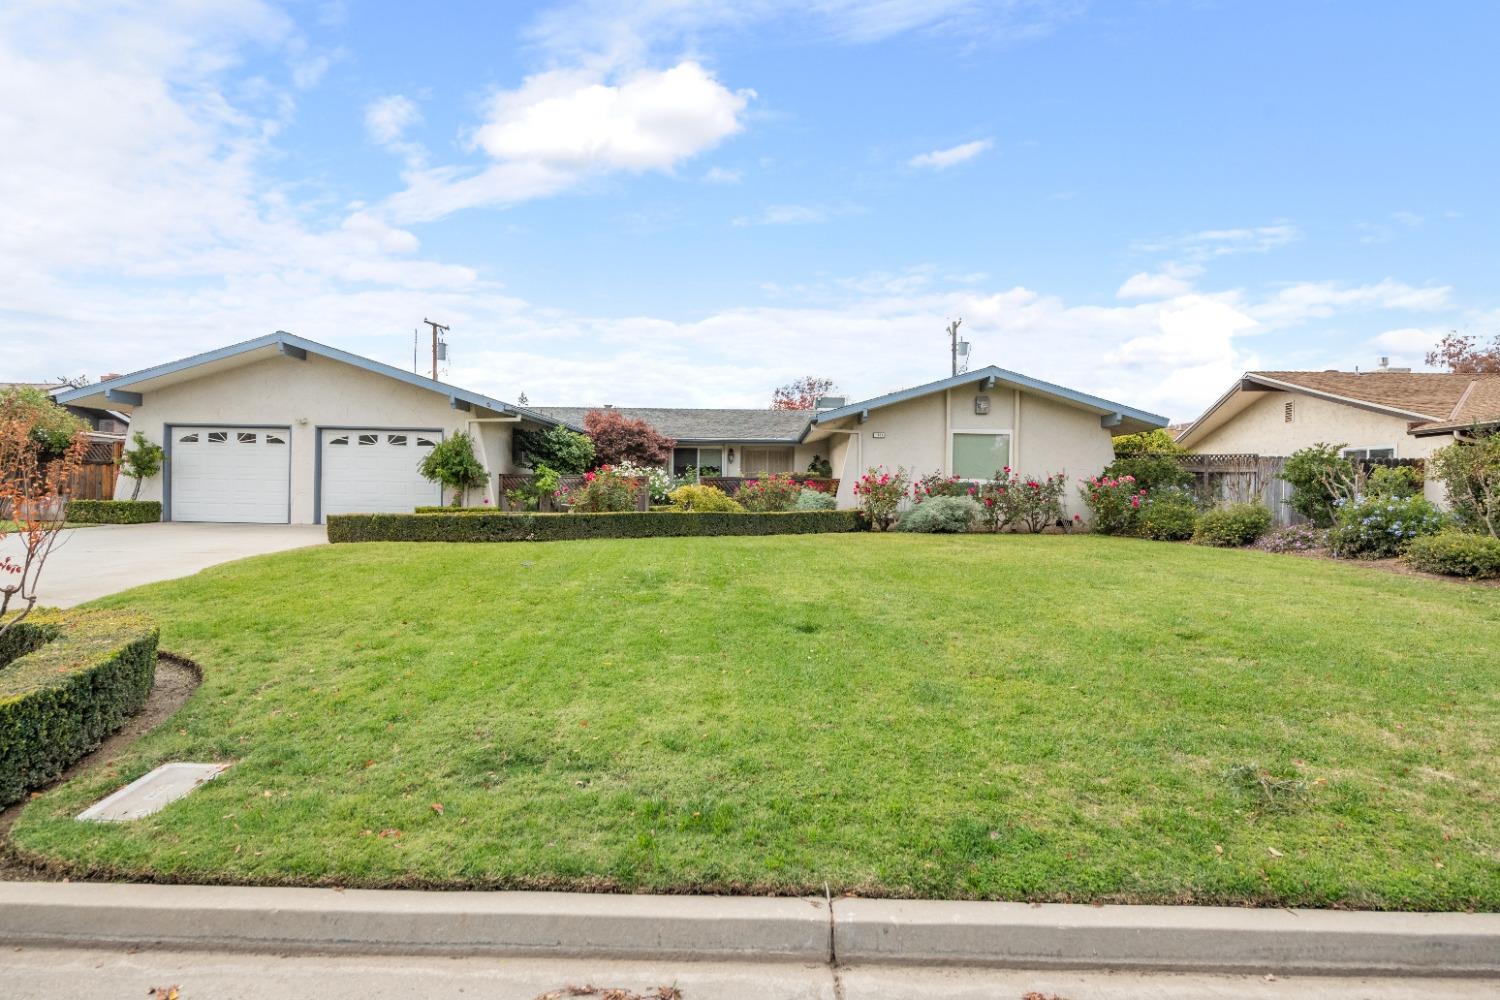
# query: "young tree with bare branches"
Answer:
x=1462 y=353
x=34 y=494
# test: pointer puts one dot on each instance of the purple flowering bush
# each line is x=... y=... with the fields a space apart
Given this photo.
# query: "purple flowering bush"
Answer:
x=1376 y=527
x=1294 y=538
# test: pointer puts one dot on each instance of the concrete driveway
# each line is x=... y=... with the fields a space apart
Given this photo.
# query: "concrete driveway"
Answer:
x=92 y=562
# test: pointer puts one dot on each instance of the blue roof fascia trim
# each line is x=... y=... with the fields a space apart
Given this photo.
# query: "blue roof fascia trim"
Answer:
x=1000 y=374
x=295 y=343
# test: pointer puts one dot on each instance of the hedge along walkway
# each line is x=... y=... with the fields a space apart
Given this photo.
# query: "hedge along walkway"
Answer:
x=1066 y=718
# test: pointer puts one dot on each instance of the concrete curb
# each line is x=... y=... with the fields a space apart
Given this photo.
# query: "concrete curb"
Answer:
x=860 y=931
x=1178 y=938
x=397 y=921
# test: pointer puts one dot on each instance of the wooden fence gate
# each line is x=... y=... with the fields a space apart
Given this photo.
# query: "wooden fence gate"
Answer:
x=1249 y=478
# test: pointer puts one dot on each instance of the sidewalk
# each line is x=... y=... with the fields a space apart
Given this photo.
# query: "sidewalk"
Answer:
x=734 y=929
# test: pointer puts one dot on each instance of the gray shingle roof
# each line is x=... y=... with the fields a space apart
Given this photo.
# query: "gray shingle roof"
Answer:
x=683 y=424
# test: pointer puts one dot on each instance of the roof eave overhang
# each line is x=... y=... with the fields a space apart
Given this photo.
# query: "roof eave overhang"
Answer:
x=1253 y=382
x=117 y=393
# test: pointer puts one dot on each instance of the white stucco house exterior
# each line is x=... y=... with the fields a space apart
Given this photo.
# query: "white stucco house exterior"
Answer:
x=284 y=429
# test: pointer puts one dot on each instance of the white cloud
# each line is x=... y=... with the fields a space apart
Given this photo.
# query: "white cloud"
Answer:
x=785 y=215
x=561 y=127
x=1409 y=219
x=942 y=159
x=722 y=175
x=1210 y=243
x=1320 y=299
x=388 y=118
x=1171 y=280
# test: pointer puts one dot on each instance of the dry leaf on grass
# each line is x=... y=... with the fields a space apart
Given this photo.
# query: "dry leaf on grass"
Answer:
x=615 y=993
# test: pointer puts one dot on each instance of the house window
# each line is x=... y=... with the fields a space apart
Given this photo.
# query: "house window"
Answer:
x=979 y=456
x=1369 y=452
x=1287 y=411
x=708 y=461
x=765 y=461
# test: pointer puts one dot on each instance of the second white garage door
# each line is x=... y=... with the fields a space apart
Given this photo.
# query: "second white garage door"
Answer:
x=375 y=471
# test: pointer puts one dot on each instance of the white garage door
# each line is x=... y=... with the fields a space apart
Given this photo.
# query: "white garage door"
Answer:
x=375 y=471
x=231 y=474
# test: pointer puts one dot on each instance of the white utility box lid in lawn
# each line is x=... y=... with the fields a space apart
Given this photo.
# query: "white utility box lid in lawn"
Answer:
x=151 y=792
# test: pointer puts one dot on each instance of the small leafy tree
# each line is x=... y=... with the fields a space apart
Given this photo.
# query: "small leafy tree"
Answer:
x=33 y=502
x=617 y=438
x=567 y=452
x=452 y=464
x=1320 y=477
x=803 y=394
x=52 y=428
x=1151 y=458
x=1470 y=473
x=143 y=461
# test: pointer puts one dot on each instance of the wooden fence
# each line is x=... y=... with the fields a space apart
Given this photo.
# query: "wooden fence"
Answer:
x=101 y=467
x=1241 y=478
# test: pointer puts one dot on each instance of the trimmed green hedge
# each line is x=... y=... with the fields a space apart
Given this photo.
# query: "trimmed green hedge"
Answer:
x=114 y=511
x=68 y=679
x=1456 y=553
x=494 y=526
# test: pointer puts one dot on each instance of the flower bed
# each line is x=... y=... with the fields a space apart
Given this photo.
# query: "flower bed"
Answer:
x=68 y=679
x=495 y=526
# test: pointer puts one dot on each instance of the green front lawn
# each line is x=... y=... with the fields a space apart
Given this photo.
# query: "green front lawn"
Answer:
x=1006 y=717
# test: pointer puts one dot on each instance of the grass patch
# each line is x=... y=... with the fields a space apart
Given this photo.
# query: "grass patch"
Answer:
x=1012 y=717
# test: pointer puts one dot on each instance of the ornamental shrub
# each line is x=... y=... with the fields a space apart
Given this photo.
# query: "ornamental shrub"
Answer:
x=602 y=491
x=702 y=498
x=810 y=499
x=942 y=515
x=142 y=462
x=1455 y=553
x=1168 y=515
x=880 y=494
x=938 y=485
x=114 y=511
x=657 y=479
x=1319 y=476
x=453 y=465
x=1379 y=527
x=1294 y=538
x=776 y=492
x=1114 y=504
x=1470 y=473
x=1393 y=481
x=617 y=438
x=1232 y=526
x=52 y=427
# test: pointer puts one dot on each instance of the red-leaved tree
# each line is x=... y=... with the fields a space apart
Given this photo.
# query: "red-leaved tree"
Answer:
x=1462 y=353
x=617 y=438
x=33 y=506
x=803 y=394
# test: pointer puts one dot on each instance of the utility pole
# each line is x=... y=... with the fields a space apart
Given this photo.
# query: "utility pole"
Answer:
x=435 y=328
x=957 y=347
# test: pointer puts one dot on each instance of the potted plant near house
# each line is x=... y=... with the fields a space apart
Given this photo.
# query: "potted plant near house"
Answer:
x=142 y=461
x=453 y=466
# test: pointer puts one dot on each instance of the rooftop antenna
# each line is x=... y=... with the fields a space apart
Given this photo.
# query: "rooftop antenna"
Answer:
x=439 y=346
x=957 y=348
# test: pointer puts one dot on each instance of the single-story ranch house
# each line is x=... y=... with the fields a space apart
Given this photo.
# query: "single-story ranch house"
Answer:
x=284 y=429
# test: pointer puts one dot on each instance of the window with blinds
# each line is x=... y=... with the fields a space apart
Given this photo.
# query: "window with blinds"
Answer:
x=764 y=461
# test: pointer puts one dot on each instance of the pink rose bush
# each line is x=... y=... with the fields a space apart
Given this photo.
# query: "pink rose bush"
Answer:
x=880 y=495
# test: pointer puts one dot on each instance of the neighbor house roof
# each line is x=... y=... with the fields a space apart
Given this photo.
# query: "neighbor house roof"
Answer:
x=1431 y=402
x=1118 y=417
x=701 y=425
x=125 y=391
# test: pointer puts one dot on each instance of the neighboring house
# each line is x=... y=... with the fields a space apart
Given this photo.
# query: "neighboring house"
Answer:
x=281 y=428
x=1384 y=413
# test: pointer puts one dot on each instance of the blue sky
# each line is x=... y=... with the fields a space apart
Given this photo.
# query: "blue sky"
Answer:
x=688 y=203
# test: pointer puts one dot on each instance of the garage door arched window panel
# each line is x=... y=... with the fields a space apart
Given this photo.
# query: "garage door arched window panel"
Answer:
x=380 y=475
x=980 y=454
x=229 y=474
